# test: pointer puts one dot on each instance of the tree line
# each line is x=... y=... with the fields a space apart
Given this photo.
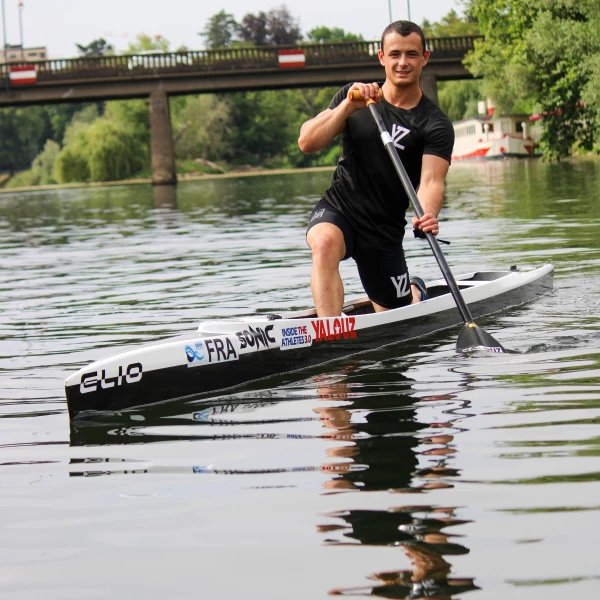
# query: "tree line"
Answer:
x=538 y=56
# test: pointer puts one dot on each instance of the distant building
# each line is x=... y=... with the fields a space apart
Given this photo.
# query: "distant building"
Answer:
x=16 y=54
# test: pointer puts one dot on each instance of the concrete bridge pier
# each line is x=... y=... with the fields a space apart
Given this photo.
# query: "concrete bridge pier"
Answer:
x=161 y=140
x=428 y=83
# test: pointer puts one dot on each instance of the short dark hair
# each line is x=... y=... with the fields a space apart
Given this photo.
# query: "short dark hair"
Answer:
x=404 y=28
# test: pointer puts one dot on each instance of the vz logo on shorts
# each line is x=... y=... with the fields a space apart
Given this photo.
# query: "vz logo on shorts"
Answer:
x=211 y=350
x=97 y=380
x=317 y=214
x=254 y=337
x=334 y=329
x=402 y=285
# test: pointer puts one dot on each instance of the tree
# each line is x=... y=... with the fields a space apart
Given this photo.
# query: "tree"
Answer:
x=543 y=55
x=282 y=27
x=99 y=47
x=42 y=167
x=23 y=132
x=458 y=99
x=219 y=31
x=254 y=29
x=277 y=27
x=450 y=25
x=326 y=35
x=147 y=43
x=107 y=148
x=202 y=126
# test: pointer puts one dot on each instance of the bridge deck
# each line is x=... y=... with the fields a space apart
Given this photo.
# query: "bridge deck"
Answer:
x=137 y=75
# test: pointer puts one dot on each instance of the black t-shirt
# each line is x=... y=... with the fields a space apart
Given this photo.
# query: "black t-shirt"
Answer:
x=365 y=185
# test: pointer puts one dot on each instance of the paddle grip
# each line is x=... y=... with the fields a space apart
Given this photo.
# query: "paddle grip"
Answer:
x=355 y=95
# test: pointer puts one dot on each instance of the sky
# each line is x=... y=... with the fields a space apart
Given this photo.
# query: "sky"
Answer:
x=60 y=24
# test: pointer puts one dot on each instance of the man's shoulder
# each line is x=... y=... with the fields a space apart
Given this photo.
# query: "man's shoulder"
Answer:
x=434 y=112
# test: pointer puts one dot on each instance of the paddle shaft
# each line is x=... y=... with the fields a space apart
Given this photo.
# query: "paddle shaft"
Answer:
x=410 y=191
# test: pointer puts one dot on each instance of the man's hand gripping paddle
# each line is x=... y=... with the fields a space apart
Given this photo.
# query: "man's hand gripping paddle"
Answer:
x=472 y=337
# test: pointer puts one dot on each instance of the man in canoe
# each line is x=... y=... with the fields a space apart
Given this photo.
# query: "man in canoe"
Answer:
x=362 y=213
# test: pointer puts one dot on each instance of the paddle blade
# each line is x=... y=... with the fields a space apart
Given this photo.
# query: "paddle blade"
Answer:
x=473 y=337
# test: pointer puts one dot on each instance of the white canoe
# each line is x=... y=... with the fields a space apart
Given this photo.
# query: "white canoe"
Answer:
x=221 y=354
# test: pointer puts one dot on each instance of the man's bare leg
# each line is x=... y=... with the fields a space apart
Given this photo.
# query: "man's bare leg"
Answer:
x=326 y=242
x=416 y=297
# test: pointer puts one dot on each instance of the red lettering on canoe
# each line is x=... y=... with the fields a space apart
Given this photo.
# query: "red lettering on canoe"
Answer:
x=334 y=329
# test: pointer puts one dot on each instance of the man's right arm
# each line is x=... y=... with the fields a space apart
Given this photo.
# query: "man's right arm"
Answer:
x=317 y=133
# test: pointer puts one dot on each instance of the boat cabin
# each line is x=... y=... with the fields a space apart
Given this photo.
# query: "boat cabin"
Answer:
x=489 y=136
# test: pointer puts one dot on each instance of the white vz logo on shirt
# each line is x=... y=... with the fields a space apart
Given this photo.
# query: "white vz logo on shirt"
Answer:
x=401 y=284
x=398 y=132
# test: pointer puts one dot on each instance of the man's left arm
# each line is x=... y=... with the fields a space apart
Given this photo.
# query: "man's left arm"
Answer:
x=431 y=192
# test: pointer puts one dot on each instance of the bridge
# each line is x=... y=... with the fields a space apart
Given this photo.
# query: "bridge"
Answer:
x=157 y=76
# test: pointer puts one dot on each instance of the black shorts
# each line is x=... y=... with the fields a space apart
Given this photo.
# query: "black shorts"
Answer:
x=382 y=270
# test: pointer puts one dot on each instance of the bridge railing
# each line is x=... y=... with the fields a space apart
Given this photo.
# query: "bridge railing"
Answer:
x=133 y=66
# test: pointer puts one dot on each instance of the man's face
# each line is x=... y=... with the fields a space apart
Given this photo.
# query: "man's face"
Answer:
x=403 y=58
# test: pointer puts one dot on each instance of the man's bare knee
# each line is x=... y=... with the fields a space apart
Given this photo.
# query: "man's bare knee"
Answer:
x=326 y=242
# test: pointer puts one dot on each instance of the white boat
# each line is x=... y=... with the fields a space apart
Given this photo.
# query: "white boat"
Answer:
x=487 y=136
x=221 y=354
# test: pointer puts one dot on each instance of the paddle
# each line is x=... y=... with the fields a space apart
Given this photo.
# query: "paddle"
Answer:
x=471 y=336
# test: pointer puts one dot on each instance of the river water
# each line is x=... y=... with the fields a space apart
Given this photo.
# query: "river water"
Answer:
x=408 y=472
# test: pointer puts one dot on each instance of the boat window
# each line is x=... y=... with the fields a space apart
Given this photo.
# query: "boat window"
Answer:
x=519 y=127
x=466 y=130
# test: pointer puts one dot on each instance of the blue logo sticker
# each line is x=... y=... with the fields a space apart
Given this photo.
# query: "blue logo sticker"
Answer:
x=197 y=354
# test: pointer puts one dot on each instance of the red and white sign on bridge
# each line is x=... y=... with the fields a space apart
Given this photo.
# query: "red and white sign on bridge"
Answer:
x=23 y=75
x=291 y=58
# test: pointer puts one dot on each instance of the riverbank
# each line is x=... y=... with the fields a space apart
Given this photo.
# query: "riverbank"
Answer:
x=180 y=178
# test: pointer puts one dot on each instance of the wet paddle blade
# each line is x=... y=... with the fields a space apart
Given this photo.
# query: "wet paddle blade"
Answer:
x=472 y=337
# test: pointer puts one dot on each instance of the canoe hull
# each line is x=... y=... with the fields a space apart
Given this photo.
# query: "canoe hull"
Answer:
x=225 y=354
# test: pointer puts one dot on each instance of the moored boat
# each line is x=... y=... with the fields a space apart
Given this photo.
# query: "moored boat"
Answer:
x=489 y=136
x=223 y=354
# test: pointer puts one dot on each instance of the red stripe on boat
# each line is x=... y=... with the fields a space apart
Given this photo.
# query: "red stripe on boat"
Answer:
x=476 y=154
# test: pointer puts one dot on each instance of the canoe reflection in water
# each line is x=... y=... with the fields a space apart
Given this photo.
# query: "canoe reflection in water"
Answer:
x=419 y=532
x=385 y=440
x=389 y=441
x=375 y=441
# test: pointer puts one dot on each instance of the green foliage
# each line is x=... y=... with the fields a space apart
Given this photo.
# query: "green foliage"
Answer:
x=312 y=102
x=458 y=99
x=450 y=25
x=219 y=31
x=147 y=43
x=134 y=114
x=81 y=119
x=282 y=27
x=275 y=27
x=202 y=127
x=23 y=132
x=543 y=54
x=43 y=164
x=71 y=163
x=112 y=147
x=41 y=172
x=60 y=116
x=254 y=29
x=262 y=122
x=326 y=35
